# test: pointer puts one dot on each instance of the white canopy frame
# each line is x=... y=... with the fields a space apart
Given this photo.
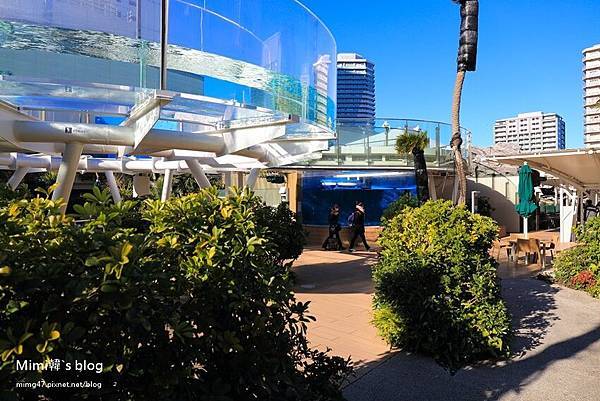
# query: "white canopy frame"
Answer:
x=243 y=139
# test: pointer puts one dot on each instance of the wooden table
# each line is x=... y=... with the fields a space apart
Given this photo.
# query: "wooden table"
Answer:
x=544 y=243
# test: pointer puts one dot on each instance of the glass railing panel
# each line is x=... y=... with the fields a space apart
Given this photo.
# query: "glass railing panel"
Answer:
x=373 y=143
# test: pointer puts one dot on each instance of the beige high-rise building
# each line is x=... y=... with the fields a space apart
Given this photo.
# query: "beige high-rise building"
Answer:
x=591 y=96
x=533 y=132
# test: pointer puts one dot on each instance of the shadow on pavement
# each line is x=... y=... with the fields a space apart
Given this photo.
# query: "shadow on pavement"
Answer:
x=342 y=274
x=412 y=377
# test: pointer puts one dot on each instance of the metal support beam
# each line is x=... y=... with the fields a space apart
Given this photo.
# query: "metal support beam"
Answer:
x=252 y=177
x=67 y=172
x=16 y=178
x=112 y=185
x=167 y=185
x=198 y=173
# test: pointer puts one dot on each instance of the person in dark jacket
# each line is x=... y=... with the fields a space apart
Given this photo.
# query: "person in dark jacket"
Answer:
x=358 y=226
x=334 y=226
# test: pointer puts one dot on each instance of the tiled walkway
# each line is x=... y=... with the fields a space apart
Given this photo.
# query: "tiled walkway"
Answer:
x=556 y=344
x=339 y=286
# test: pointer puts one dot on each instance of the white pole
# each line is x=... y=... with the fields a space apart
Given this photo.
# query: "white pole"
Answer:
x=16 y=178
x=167 y=185
x=67 y=172
x=198 y=173
x=112 y=185
x=525 y=228
x=473 y=199
x=252 y=177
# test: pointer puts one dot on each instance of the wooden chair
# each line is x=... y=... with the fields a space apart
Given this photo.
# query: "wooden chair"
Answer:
x=501 y=231
x=498 y=245
x=528 y=246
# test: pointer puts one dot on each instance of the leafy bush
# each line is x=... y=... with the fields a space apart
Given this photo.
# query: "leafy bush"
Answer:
x=569 y=263
x=436 y=289
x=578 y=267
x=181 y=300
x=285 y=231
x=406 y=200
x=8 y=195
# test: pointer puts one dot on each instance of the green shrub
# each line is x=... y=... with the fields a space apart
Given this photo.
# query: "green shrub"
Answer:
x=436 y=288
x=181 y=300
x=578 y=267
x=285 y=231
x=570 y=262
x=406 y=200
x=8 y=195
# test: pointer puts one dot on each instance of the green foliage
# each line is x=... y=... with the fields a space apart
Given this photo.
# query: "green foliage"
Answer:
x=415 y=142
x=182 y=300
x=285 y=231
x=30 y=184
x=8 y=195
x=570 y=262
x=408 y=141
x=406 y=200
x=578 y=267
x=436 y=288
x=184 y=184
x=484 y=207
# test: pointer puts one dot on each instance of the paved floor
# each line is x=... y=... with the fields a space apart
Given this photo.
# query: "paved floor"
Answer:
x=340 y=290
x=556 y=344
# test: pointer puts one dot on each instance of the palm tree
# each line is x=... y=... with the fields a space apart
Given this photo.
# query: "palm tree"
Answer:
x=466 y=61
x=415 y=142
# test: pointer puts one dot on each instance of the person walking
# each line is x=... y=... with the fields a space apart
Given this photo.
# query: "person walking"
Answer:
x=357 y=222
x=334 y=227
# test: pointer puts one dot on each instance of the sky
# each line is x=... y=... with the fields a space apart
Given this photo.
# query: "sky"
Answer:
x=529 y=57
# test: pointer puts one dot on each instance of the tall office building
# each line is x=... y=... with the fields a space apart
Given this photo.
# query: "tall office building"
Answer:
x=591 y=96
x=533 y=132
x=355 y=90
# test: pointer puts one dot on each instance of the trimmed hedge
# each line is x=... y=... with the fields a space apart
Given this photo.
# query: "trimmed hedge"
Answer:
x=436 y=288
x=184 y=300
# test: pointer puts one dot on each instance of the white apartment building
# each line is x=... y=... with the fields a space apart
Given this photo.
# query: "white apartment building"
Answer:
x=533 y=132
x=591 y=96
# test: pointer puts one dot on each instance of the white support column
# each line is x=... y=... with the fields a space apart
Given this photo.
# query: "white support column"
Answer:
x=167 y=185
x=432 y=188
x=112 y=185
x=568 y=202
x=252 y=177
x=239 y=178
x=581 y=208
x=141 y=185
x=67 y=172
x=16 y=178
x=227 y=179
x=198 y=173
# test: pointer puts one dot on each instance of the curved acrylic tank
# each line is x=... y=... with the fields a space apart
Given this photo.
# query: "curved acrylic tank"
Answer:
x=273 y=54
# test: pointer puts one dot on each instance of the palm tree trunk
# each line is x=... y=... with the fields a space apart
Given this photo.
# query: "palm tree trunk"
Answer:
x=456 y=142
x=421 y=177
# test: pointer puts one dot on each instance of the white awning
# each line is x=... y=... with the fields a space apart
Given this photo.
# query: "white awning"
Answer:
x=577 y=167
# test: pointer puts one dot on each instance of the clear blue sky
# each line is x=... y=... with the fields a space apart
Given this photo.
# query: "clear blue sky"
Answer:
x=529 y=57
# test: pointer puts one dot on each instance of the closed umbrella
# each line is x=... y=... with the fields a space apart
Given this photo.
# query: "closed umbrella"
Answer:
x=526 y=205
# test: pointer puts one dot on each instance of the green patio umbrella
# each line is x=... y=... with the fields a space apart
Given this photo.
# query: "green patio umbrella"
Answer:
x=526 y=205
